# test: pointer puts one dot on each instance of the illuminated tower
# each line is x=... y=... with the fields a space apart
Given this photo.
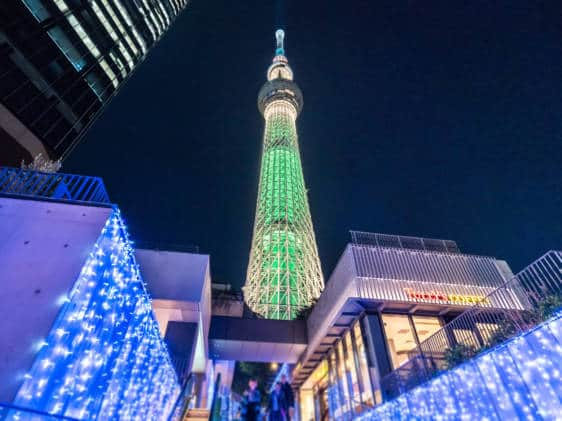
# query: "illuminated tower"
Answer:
x=284 y=274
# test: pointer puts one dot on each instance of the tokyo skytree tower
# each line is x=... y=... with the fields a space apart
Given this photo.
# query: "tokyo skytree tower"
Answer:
x=284 y=274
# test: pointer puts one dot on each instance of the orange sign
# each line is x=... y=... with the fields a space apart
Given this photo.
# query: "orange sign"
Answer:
x=441 y=296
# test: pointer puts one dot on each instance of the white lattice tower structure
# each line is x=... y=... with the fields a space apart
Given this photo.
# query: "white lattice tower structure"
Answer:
x=284 y=275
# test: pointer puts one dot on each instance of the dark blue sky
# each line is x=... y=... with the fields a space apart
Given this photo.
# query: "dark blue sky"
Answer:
x=439 y=119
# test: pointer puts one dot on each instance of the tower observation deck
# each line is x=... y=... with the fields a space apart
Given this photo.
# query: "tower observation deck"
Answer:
x=284 y=274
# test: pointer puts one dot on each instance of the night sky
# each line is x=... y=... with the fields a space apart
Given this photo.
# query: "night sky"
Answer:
x=427 y=118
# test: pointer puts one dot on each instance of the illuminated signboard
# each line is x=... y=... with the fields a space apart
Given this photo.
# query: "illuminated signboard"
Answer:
x=436 y=295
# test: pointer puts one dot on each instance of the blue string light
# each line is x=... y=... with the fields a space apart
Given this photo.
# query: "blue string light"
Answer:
x=519 y=380
x=104 y=357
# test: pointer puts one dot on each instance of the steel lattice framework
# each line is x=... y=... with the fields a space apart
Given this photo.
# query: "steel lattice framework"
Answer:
x=284 y=274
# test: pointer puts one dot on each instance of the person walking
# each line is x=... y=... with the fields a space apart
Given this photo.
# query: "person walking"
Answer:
x=289 y=397
x=251 y=402
x=277 y=405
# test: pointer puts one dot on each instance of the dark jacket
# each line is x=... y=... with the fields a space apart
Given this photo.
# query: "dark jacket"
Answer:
x=281 y=401
x=251 y=405
x=288 y=393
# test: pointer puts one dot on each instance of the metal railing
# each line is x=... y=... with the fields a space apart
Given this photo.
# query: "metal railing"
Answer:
x=185 y=400
x=35 y=184
x=214 y=412
x=537 y=289
x=403 y=242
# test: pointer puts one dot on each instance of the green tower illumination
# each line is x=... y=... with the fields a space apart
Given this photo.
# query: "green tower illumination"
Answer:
x=284 y=274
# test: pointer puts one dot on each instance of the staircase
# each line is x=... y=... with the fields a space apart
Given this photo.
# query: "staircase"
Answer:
x=197 y=415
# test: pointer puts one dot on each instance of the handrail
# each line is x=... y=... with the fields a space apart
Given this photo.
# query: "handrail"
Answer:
x=182 y=398
x=215 y=393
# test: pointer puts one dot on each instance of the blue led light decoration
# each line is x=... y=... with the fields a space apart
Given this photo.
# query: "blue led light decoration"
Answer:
x=104 y=357
x=519 y=380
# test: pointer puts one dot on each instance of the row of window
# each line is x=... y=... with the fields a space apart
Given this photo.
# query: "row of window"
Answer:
x=343 y=384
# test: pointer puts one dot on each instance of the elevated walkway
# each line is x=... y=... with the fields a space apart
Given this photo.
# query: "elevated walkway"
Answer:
x=256 y=340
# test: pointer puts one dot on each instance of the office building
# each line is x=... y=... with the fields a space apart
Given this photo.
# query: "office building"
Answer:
x=61 y=62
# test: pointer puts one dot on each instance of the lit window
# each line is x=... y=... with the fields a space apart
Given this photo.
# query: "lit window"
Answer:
x=119 y=64
x=63 y=7
x=342 y=378
x=465 y=337
x=65 y=45
x=82 y=34
x=367 y=397
x=164 y=13
x=104 y=21
x=146 y=19
x=129 y=22
x=114 y=36
x=399 y=336
x=37 y=8
x=150 y=10
x=426 y=326
x=109 y=72
x=96 y=84
x=487 y=330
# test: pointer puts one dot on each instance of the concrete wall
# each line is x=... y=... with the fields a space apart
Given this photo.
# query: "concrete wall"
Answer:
x=180 y=286
x=172 y=275
x=43 y=246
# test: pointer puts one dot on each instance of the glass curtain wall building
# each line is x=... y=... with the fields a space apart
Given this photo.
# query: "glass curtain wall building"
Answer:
x=284 y=275
x=61 y=61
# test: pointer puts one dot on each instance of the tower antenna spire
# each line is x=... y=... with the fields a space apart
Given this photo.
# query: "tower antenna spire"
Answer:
x=280 y=37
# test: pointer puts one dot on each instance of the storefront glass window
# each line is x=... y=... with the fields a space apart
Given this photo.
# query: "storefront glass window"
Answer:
x=342 y=378
x=399 y=336
x=353 y=378
x=334 y=397
x=319 y=381
x=306 y=400
x=426 y=326
x=367 y=396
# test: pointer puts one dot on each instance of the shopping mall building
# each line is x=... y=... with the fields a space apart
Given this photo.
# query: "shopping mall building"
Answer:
x=386 y=295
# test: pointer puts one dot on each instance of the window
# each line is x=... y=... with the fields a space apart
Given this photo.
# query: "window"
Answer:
x=466 y=337
x=96 y=84
x=399 y=336
x=426 y=326
x=487 y=330
x=37 y=8
x=65 y=45
x=350 y=368
x=367 y=397
x=342 y=377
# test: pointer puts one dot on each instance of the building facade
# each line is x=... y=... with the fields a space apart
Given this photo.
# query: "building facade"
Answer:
x=61 y=61
x=386 y=296
x=284 y=274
